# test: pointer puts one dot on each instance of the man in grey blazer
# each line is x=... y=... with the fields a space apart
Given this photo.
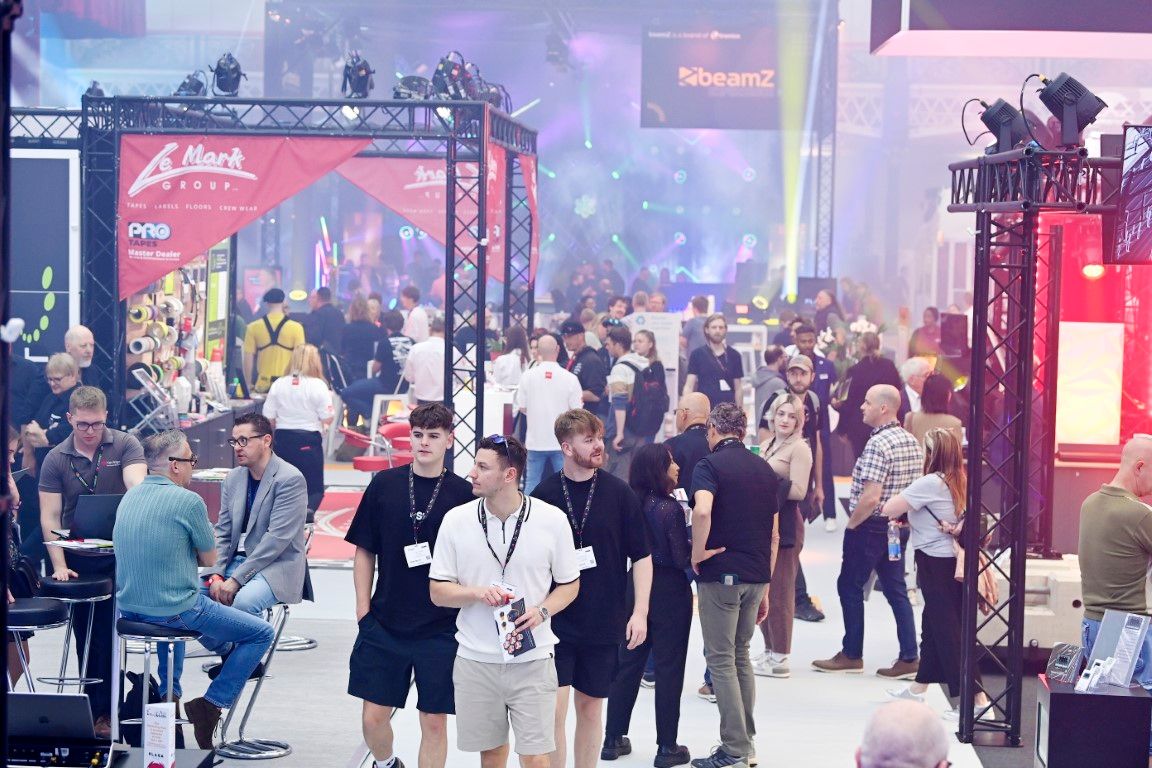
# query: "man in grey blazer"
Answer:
x=260 y=558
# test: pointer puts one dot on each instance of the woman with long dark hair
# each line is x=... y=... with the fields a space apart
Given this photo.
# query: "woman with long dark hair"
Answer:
x=935 y=402
x=790 y=457
x=653 y=476
x=935 y=507
x=508 y=368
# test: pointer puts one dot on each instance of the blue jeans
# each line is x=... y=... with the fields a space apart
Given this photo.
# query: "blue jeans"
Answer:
x=866 y=550
x=1142 y=675
x=248 y=636
x=253 y=598
x=540 y=464
x=358 y=397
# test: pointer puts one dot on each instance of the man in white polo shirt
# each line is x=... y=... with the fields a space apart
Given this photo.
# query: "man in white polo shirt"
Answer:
x=504 y=551
x=545 y=392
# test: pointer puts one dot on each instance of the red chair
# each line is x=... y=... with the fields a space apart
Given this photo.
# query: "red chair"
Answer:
x=398 y=433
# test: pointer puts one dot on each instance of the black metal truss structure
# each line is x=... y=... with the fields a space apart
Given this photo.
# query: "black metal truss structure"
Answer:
x=457 y=131
x=43 y=128
x=827 y=89
x=1007 y=192
x=518 y=294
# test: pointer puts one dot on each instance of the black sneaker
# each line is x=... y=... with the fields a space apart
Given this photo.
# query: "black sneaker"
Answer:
x=666 y=757
x=719 y=759
x=615 y=747
x=396 y=763
x=809 y=612
x=648 y=681
x=257 y=672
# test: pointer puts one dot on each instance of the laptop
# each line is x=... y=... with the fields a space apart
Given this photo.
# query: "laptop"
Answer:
x=95 y=516
x=50 y=716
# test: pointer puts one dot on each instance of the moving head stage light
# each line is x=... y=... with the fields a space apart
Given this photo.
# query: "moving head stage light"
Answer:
x=413 y=87
x=358 y=81
x=1006 y=123
x=453 y=80
x=193 y=85
x=1073 y=105
x=226 y=76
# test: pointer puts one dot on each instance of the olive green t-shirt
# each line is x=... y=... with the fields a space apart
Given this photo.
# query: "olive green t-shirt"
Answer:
x=1115 y=547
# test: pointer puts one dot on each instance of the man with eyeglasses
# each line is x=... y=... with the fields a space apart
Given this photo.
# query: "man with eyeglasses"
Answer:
x=94 y=459
x=162 y=534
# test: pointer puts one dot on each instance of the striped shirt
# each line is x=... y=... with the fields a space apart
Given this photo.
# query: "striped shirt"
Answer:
x=159 y=529
x=893 y=458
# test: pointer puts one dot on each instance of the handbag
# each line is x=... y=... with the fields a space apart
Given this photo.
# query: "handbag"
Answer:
x=25 y=577
x=986 y=588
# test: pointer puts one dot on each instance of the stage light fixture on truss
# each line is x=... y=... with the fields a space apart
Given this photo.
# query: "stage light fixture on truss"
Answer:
x=413 y=87
x=226 y=76
x=1006 y=123
x=194 y=85
x=358 y=81
x=94 y=91
x=1074 y=106
x=452 y=79
x=556 y=51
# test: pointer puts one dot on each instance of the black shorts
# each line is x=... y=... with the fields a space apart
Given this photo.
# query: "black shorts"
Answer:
x=382 y=665
x=588 y=667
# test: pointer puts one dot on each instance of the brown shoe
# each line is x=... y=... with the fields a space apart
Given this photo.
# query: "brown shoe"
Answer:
x=840 y=663
x=901 y=670
x=103 y=727
x=204 y=716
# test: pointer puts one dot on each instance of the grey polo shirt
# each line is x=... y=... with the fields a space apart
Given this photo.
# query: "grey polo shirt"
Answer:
x=59 y=470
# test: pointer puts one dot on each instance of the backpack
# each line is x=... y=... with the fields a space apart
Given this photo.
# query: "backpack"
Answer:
x=649 y=401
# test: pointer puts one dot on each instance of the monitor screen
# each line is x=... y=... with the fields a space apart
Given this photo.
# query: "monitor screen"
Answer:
x=1134 y=210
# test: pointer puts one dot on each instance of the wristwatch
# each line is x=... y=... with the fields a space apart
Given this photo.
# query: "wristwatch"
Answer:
x=545 y=614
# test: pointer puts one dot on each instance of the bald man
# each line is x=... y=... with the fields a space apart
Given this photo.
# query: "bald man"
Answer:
x=79 y=342
x=907 y=734
x=690 y=444
x=1115 y=547
x=890 y=461
x=546 y=390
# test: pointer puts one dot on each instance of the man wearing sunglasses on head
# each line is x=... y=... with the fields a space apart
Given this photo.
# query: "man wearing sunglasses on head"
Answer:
x=94 y=459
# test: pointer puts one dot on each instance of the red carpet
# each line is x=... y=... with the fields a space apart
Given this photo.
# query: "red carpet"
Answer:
x=332 y=521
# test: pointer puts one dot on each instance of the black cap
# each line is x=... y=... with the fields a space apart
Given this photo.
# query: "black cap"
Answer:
x=571 y=328
x=273 y=296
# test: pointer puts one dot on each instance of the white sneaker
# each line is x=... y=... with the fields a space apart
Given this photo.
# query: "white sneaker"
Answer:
x=905 y=693
x=752 y=761
x=830 y=524
x=770 y=665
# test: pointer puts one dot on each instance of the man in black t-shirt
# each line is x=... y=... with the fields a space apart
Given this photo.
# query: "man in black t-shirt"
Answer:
x=587 y=366
x=716 y=369
x=691 y=444
x=387 y=364
x=609 y=530
x=401 y=633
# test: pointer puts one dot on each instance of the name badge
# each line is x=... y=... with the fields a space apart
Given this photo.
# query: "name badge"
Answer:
x=510 y=589
x=585 y=558
x=724 y=386
x=418 y=554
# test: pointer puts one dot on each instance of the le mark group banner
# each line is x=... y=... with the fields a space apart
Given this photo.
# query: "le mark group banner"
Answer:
x=179 y=195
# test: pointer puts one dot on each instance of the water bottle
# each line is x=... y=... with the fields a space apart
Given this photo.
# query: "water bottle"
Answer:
x=893 y=540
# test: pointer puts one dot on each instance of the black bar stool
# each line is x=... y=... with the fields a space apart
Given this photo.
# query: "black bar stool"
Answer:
x=243 y=748
x=85 y=589
x=29 y=614
x=289 y=643
x=151 y=635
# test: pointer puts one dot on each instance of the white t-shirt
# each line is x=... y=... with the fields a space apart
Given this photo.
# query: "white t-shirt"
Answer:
x=299 y=402
x=424 y=368
x=544 y=554
x=416 y=324
x=930 y=492
x=545 y=392
x=506 y=370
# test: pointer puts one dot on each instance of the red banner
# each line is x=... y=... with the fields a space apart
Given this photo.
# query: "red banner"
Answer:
x=181 y=195
x=528 y=169
x=496 y=203
x=415 y=189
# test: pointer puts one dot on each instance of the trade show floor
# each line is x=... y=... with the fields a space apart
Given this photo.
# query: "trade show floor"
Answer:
x=809 y=719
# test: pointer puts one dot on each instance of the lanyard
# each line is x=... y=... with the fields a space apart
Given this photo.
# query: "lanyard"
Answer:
x=515 y=533
x=578 y=529
x=95 y=475
x=417 y=515
x=725 y=442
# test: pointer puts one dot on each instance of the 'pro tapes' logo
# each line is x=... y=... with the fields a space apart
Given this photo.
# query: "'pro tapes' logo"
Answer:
x=698 y=77
x=146 y=230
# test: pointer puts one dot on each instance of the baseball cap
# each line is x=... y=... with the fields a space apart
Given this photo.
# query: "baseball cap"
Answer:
x=273 y=296
x=571 y=328
x=800 y=361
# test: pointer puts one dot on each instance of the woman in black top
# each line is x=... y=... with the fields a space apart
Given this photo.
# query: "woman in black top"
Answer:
x=653 y=476
x=359 y=341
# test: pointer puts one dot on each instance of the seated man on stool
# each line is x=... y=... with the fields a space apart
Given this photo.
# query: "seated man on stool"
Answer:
x=162 y=533
x=260 y=531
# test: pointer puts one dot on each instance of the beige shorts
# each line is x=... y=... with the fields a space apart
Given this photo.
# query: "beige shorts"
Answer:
x=488 y=695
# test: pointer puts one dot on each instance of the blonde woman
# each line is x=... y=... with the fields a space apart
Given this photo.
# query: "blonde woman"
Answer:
x=299 y=405
x=790 y=457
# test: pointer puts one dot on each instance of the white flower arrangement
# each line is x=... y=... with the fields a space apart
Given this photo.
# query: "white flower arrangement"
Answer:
x=862 y=325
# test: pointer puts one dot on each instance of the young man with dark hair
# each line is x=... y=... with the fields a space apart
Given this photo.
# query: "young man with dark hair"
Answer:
x=505 y=551
x=692 y=334
x=416 y=324
x=586 y=365
x=402 y=635
x=324 y=325
x=608 y=525
x=626 y=366
x=716 y=369
x=618 y=307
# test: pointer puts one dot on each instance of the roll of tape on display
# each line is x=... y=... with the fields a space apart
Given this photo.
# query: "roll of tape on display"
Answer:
x=172 y=335
x=157 y=372
x=174 y=363
x=172 y=306
x=142 y=313
x=201 y=366
x=158 y=331
x=142 y=344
